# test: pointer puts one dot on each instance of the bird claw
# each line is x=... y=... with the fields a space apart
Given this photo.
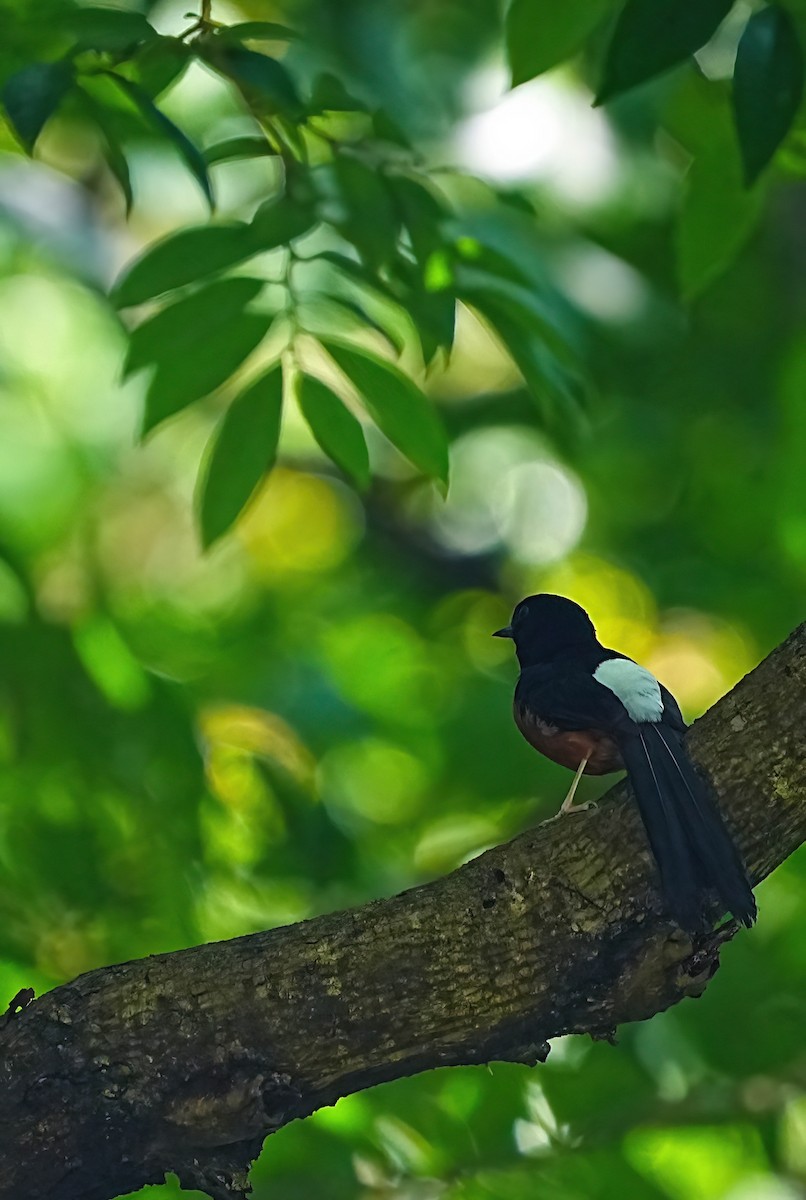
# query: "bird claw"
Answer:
x=588 y=806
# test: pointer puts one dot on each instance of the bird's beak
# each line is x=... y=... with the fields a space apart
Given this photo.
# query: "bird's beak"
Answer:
x=505 y=632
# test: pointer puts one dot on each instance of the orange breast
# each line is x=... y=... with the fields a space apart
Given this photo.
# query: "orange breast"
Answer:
x=569 y=747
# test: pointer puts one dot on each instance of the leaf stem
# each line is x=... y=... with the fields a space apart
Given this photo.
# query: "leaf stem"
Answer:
x=291 y=301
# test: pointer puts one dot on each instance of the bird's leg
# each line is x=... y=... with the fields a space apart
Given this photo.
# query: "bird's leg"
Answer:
x=568 y=805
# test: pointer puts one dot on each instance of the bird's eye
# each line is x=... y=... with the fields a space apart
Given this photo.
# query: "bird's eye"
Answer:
x=522 y=612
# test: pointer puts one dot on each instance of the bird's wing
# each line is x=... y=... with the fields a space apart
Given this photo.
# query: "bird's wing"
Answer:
x=570 y=698
x=671 y=711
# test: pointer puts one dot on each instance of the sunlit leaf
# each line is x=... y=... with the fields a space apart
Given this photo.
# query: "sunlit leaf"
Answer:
x=397 y=406
x=542 y=33
x=388 y=329
x=182 y=258
x=189 y=152
x=238 y=147
x=32 y=95
x=243 y=450
x=653 y=35
x=321 y=313
x=767 y=86
x=335 y=428
x=387 y=314
x=355 y=270
x=97 y=28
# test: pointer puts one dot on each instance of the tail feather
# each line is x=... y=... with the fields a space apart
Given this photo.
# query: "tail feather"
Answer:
x=691 y=846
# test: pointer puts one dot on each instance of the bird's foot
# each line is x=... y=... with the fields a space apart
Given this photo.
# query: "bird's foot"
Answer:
x=574 y=808
x=586 y=806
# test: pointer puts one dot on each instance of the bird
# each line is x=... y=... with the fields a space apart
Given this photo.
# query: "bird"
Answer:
x=595 y=711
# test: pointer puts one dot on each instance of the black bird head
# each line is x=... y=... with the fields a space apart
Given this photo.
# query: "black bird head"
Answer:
x=544 y=626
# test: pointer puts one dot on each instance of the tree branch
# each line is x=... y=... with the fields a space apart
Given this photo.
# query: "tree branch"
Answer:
x=185 y=1061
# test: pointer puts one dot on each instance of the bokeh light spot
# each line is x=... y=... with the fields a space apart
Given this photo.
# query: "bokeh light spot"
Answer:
x=381 y=666
x=299 y=525
x=374 y=780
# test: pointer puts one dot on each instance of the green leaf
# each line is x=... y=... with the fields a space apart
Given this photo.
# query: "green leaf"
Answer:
x=117 y=162
x=159 y=64
x=261 y=31
x=243 y=450
x=520 y=304
x=216 y=353
x=653 y=35
x=118 y=165
x=470 y=250
x=431 y=308
x=238 y=147
x=329 y=94
x=434 y=316
x=391 y=316
x=364 y=213
x=716 y=218
x=265 y=84
x=355 y=270
x=182 y=258
x=32 y=95
x=432 y=311
x=389 y=330
x=542 y=33
x=192 y=254
x=115 y=29
x=717 y=212
x=397 y=406
x=422 y=213
x=335 y=428
x=111 y=145
x=388 y=130
x=174 y=329
x=190 y=153
x=278 y=222
x=323 y=314
x=555 y=389
x=767 y=86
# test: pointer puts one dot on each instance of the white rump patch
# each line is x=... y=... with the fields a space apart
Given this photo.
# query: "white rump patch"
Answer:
x=637 y=689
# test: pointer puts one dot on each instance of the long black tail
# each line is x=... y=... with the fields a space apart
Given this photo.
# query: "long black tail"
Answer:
x=692 y=847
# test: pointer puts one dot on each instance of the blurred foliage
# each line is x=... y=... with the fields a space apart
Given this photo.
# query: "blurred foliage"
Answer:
x=312 y=713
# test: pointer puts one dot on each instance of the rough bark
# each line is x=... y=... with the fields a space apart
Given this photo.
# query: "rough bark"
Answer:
x=186 y=1061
